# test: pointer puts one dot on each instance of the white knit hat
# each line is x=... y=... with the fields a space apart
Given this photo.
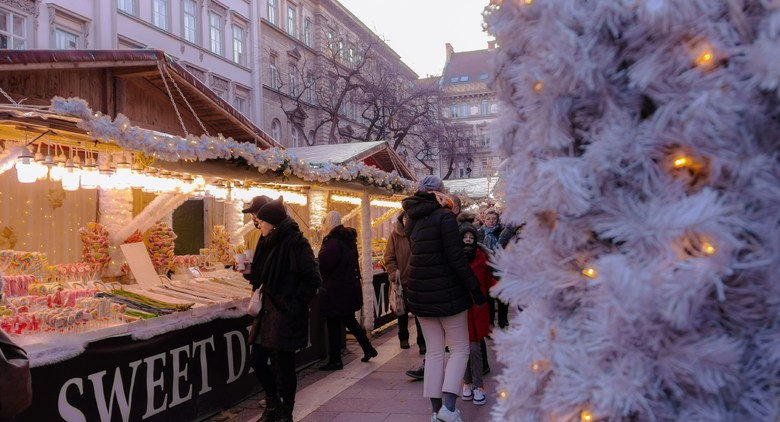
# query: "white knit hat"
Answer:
x=331 y=220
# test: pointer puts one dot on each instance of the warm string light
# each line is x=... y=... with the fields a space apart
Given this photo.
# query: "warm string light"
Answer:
x=590 y=272
x=586 y=415
x=503 y=395
x=538 y=86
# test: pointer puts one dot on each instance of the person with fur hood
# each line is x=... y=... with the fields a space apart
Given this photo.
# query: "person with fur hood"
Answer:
x=478 y=316
x=342 y=292
x=396 y=258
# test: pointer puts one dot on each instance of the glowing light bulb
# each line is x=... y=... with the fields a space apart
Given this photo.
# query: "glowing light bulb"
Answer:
x=538 y=86
x=586 y=416
x=681 y=161
x=590 y=272
x=26 y=169
x=503 y=394
x=709 y=248
x=705 y=58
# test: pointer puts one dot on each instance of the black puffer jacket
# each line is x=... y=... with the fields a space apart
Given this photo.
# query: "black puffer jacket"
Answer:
x=290 y=279
x=341 y=293
x=439 y=278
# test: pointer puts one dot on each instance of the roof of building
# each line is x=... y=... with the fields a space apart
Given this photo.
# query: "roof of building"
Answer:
x=377 y=153
x=474 y=188
x=468 y=67
x=149 y=65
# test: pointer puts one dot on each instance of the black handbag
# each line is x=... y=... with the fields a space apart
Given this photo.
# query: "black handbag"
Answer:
x=15 y=379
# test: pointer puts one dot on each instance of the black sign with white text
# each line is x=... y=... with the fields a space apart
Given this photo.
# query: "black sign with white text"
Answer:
x=183 y=375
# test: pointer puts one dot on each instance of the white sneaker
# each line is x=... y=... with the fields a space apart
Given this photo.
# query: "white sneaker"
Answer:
x=433 y=418
x=446 y=415
x=479 y=396
x=467 y=393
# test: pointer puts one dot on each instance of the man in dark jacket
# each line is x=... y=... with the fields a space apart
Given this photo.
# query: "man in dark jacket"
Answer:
x=342 y=292
x=289 y=278
x=440 y=288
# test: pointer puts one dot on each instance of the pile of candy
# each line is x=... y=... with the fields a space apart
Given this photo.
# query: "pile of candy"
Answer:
x=76 y=271
x=94 y=248
x=220 y=245
x=19 y=262
x=17 y=285
x=161 y=238
x=182 y=262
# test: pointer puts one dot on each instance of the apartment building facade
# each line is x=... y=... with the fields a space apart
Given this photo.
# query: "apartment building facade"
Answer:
x=467 y=99
x=241 y=49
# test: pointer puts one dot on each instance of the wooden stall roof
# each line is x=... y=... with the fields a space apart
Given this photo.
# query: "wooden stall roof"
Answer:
x=149 y=66
x=377 y=153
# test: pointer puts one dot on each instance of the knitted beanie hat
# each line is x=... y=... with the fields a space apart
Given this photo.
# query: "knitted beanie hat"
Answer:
x=331 y=220
x=430 y=183
x=273 y=212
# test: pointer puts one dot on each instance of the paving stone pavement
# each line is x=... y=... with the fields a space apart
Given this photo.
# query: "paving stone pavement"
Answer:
x=378 y=390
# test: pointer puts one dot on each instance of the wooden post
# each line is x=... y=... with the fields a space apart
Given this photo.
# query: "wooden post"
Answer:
x=367 y=267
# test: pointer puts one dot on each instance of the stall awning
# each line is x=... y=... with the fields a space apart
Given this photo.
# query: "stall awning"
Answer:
x=377 y=153
x=153 y=68
x=476 y=188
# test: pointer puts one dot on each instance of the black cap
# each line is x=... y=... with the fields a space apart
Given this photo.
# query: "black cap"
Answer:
x=273 y=212
x=257 y=203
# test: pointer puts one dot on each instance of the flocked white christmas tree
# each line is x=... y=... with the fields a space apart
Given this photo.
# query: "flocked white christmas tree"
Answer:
x=643 y=140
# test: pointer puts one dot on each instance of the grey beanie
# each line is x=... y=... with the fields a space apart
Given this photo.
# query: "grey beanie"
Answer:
x=430 y=183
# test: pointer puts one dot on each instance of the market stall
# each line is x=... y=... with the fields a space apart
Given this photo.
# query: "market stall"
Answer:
x=119 y=325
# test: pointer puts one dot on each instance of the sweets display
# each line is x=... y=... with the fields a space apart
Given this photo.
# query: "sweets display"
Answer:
x=161 y=245
x=94 y=249
x=220 y=245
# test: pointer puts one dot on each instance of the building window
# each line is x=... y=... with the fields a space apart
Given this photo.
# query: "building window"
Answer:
x=342 y=51
x=307 y=32
x=310 y=88
x=240 y=104
x=331 y=43
x=160 y=14
x=276 y=129
x=292 y=21
x=13 y=28
x=293 y=81
x=127 y=6
x=64 y=40
x=464 y=110
x=274 y=75
x=215 y=33
x=239 y=39
x=351 y=56
x=483 y=76
x=484 y=107
x=484 y=140
x=190 y=24
x=273 y=7
x=464 y=78
x=294 y=137
x=311 y=137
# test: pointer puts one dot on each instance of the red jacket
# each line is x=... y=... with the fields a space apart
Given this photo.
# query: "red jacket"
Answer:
x=479 y=318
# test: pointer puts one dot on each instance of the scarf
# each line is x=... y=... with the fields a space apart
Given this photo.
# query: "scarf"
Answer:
x=491 y=241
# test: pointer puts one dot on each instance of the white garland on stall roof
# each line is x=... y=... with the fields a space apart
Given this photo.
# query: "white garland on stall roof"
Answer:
x=153 y=212
x=8 y=157
x=234 y=220
x=116 y=212
x=193 y=148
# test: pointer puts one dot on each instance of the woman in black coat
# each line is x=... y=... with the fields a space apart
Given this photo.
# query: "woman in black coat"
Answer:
x=289 y=279
x=341 y=294
x=440 y=288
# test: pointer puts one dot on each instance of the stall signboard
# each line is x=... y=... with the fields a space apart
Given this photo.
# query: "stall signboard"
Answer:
x=382 y=312
x=187 y=374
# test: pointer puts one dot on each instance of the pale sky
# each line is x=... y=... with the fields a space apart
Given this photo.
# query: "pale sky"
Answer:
x=418 y=29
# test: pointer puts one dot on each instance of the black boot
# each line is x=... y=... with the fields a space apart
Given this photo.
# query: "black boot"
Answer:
x=272 y=408
x=285 y=414
x=368 y=354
